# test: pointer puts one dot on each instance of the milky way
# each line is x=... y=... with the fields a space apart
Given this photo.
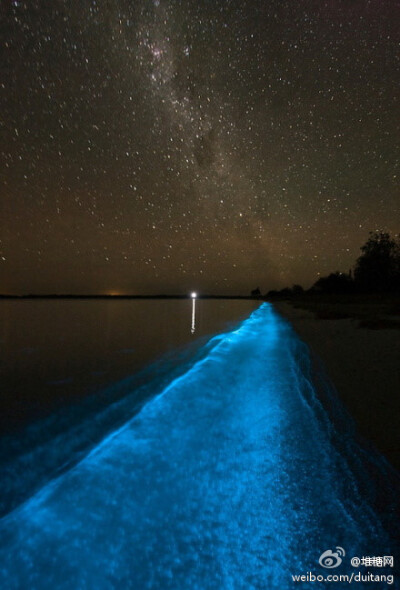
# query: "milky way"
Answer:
x=161 y=146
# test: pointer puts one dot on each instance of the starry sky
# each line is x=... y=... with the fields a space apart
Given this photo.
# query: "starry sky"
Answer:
x=160 y=146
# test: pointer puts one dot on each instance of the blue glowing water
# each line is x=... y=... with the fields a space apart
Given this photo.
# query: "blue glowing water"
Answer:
x=239 y=474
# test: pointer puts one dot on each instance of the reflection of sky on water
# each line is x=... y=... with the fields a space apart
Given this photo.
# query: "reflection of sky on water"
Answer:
x=233 y=477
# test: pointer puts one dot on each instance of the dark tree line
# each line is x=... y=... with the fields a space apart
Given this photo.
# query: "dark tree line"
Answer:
x=377 y=270
x=378 y=267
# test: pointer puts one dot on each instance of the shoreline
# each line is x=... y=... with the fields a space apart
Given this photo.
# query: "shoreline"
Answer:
x=363 y=367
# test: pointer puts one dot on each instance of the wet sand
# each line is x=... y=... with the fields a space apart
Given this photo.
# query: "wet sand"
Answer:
x=364 y=366
x=231 y=477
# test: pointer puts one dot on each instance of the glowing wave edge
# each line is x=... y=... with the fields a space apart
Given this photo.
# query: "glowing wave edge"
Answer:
x=234 y=477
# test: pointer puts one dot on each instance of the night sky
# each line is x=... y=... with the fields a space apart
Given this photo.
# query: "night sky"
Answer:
x=160 y=146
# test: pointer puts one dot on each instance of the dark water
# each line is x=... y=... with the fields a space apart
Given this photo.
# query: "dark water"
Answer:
x=239 y=474
x=72 y=371
x=55 y=352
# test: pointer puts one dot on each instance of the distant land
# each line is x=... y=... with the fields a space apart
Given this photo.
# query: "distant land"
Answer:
x=67 y=296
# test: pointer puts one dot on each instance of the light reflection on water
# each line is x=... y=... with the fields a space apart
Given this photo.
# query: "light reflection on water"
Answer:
x=55 y=352
x=72 y=370
x=193 y=325
x=235 y=476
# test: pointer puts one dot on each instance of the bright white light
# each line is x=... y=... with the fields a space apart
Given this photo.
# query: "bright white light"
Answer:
x=193 y=295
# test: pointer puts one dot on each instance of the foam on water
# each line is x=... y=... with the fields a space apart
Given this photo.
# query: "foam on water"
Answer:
x=235 y=476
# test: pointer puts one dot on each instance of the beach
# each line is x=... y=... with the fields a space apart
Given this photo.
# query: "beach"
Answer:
x=231 y=477
x=363 y=365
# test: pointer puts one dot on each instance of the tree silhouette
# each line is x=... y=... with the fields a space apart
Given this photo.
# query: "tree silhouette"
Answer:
x=336 y=282
x=297 y=290
x=378 y=267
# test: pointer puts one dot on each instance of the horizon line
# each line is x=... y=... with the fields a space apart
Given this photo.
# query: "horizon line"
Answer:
x=120 y=296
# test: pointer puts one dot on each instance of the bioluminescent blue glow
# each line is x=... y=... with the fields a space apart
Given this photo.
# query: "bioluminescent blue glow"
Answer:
x=235 y=477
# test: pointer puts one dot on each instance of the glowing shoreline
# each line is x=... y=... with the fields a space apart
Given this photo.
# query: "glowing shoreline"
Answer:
x=233 y=477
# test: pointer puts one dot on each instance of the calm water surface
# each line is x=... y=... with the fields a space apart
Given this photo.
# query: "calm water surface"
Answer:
x=55 y=352
x=242 y=472
x=72 y=371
